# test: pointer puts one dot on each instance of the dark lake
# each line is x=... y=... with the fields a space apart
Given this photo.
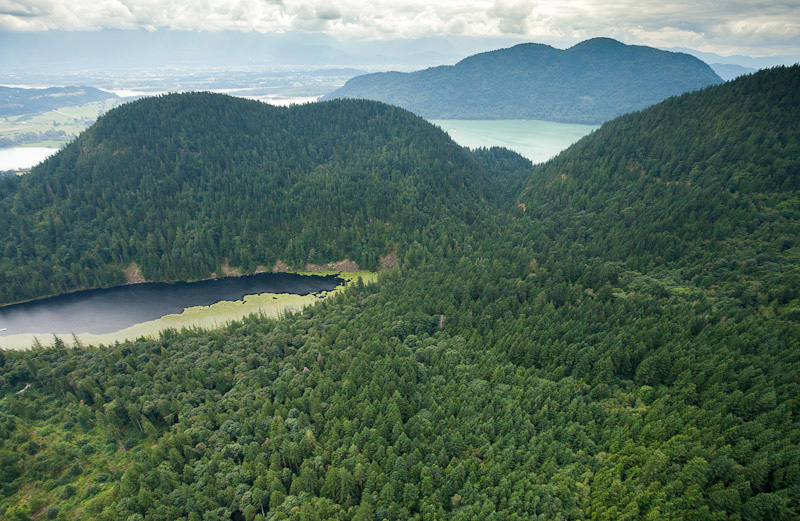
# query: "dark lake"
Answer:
x=101 y=311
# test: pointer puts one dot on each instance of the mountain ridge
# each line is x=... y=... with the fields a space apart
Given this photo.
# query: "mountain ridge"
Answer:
x=590 y=82
x=250 y=183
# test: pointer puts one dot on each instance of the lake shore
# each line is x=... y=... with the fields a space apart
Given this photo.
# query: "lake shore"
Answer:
x=203 y=317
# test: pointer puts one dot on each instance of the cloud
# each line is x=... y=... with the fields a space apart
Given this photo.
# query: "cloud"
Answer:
x=768 y=26
x=328 y=11
x=513 y=17
x=18 y=9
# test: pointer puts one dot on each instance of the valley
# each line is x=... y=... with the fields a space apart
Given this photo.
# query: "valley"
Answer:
x=54 y=127
x=606 y=332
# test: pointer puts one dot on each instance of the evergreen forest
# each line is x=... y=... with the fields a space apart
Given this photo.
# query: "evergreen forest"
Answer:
x=612 y=335
x=184 y=184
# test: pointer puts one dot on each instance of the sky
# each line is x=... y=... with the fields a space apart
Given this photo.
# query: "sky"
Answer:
x=751 y=27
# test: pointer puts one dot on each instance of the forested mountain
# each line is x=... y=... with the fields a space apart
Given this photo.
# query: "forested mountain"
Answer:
x=185 y=183
x=590 y=82
x=617 y=340
x=15 y=101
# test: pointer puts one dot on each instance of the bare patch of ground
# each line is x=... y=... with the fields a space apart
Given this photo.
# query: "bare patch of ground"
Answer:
x=345 y=265
x=280 y=267
x=388 y=261
x=229 y=271
x=133 y=275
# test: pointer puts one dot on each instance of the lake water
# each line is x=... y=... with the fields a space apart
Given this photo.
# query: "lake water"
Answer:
x=15 y=158
x=536 y=140
x=109 y=310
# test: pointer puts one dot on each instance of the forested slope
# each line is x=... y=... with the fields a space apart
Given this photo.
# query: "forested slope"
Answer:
x=521 y=366
x=702 y=189
x=185 y=183
x=590 y=82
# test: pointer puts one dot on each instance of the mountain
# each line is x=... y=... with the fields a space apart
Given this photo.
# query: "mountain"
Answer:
x=698 y=180
x=42 y=54
x=591 y=82
x=729 y=71
x=17 y=101
x=184 y=184
x=613 y=336
x=686 y=217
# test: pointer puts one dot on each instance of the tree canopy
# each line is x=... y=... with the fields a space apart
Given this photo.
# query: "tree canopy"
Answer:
x=617 y=339
x=186 y=183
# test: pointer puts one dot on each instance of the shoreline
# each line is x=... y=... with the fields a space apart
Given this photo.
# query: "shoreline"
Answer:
x=213 y=316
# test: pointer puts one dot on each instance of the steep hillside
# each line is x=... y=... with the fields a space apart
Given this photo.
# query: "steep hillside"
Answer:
x=704 y=185
x=591 y=82
x=185 y=183
x=16 y=101
x=601 y=346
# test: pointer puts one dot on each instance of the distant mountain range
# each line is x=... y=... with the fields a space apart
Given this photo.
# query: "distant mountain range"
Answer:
x=590 y=82
x=753 y=62
x=729 y=71
x=16 y=101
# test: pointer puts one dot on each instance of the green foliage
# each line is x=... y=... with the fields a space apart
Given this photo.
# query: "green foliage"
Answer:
x=702 y=191
x=185 y=183
x=591 y=82
x=518 y=365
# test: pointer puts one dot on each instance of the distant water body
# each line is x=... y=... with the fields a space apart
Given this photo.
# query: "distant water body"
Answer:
x=536 y=140
x=243 y=92
x=16 y=158
x=109 y=310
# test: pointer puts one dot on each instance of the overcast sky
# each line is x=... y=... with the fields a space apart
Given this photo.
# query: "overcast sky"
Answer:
x=753 y=27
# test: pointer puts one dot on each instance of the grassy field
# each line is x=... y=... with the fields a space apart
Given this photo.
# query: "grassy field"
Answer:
x=71 y=120
x=204 y=317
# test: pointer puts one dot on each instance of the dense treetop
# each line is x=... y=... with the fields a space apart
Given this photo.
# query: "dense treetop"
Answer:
x=598 y=345
x=184 y=183
x=590 y=82
x=705 y=185
x=17 y=101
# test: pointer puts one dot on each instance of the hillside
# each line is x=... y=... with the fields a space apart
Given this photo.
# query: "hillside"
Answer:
x=617 y=340
x=591 y=82
x=184 y=184
x=17 y=101
x=702 y=188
